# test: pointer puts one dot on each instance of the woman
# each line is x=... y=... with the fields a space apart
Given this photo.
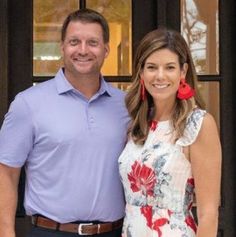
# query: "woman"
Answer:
x=173 y=150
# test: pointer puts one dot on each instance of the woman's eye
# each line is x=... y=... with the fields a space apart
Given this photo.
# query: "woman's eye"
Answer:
x=150 y=67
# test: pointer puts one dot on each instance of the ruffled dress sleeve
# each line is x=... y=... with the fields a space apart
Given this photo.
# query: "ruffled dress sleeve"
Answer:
x=193 y=126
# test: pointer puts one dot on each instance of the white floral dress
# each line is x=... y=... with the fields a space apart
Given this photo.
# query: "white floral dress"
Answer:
x=158 y=183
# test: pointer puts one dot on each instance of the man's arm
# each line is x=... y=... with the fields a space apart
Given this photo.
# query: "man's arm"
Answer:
x=9 y=179
x=16 y=142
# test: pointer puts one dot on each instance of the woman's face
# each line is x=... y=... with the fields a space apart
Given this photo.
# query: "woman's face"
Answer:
x=162 y=74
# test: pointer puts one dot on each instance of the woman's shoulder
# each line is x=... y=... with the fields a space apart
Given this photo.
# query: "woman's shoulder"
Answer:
x=195 y=115
x=208 y=124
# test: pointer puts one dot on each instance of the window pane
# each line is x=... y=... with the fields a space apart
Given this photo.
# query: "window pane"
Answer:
x=47 y=26
x=210 y=93
x=118 y=14
x=48 y=17
x=200 y=27
x=121 y=85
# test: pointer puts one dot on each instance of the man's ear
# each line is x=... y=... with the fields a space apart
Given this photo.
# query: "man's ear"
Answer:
x=107 y=50
x=62 y=48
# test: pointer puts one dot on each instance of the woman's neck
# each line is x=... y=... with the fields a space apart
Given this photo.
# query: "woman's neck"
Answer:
x=163 y=111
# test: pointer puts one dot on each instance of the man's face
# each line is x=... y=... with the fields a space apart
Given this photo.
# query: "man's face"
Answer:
x=84 y=49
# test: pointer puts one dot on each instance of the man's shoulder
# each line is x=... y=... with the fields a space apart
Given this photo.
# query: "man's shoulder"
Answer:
x=116 y=91
x=39 y=94
x=39 y=89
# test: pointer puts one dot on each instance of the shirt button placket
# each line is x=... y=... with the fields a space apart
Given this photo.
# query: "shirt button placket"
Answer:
x=90 y=117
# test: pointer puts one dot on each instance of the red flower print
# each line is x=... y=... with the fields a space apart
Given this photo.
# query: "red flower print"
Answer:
x=190 y=222
x=190 y=182
x=147 y=212
x=142 y=178
x=170 y=212
x=190 y=187
x=158 y=223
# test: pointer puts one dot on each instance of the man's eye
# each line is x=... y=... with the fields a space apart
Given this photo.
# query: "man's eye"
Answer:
x=73 y=42
x=171 y=67
x=93 y=43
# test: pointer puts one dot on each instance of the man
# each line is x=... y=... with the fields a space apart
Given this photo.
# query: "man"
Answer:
x=69 y=133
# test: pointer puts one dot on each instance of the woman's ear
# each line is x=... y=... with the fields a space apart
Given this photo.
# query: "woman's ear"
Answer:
x=141 y=73
x=184 y=70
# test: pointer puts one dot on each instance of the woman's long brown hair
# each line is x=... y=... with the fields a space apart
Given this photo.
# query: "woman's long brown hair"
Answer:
x=141 y=112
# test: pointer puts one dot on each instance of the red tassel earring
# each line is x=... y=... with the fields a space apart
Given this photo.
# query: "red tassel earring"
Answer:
x=185 y=91
x=142 y=90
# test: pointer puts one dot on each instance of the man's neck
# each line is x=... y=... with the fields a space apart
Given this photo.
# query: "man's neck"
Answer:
x=88 y=85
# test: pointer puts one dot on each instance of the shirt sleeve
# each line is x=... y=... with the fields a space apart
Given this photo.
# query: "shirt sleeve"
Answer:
x=16 y=134
x=193 y=126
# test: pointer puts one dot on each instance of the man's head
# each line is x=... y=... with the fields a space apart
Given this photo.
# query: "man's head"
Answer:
x=84 y=45
x=86 y=16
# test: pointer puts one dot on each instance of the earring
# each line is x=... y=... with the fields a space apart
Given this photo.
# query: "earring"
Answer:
x=142 y=90
x=185 y=91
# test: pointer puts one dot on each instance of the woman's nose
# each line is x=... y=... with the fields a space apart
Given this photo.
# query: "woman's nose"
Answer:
x=160 y=73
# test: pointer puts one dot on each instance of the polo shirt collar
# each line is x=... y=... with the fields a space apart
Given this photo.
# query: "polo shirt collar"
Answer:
x=105 y=88
x=63 y=85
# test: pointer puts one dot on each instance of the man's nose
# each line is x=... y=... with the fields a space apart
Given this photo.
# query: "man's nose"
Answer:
x=83 y=48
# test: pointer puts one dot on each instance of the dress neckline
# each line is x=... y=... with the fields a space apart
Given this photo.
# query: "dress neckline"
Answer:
x=154 y=124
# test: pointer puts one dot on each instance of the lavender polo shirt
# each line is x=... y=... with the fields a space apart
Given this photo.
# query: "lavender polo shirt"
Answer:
x=70 y=146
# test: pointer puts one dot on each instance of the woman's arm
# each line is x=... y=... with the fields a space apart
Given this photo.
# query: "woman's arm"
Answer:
x=205 y=157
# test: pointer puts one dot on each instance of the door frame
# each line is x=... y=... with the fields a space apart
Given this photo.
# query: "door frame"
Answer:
x=3 y=58
x=16 y=70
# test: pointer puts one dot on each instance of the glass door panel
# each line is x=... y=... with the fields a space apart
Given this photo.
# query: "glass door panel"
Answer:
x=119 y=16
x=210 y=91
x=200 y=27
x=48 y=17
